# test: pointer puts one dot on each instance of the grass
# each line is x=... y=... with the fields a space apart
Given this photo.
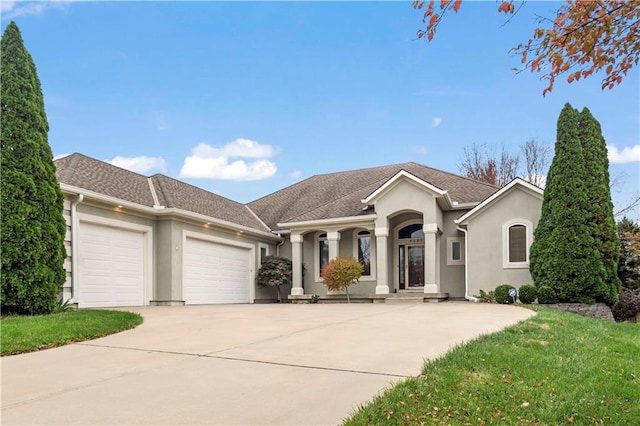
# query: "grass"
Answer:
x=555 y=368
x=22 y=334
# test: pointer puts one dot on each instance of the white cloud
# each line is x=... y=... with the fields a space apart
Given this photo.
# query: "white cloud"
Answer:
x=296 y=174
x=210 y=162
x=629 y=154
x=141 y=164
x=436 y=121
x=12 y=9
x=421 y=150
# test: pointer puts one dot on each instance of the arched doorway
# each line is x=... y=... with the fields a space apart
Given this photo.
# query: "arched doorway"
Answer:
x=410 y=252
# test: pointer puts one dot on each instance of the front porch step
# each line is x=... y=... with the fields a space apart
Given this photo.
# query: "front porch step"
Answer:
x=404 y=299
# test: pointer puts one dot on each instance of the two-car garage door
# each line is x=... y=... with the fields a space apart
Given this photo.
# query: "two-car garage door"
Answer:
x=215 y=273
x=112 y=264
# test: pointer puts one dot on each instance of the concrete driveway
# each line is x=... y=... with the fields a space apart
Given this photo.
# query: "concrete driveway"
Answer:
x=240 y=364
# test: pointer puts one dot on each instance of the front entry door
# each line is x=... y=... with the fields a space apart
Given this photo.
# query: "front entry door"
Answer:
x=415 y=266
x=411 y=271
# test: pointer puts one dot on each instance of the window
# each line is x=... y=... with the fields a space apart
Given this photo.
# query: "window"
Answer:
x=411 y=231
x=517 y=243
x=517 y=236
x=455 y=251
x=264 y=252
x=323 y=251
x=364 y=251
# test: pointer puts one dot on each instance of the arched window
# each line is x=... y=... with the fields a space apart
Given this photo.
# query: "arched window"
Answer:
x=517 y=236
x=411 y=231
x=517 y=243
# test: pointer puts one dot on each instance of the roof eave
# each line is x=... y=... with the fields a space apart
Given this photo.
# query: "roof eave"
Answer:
x=163 y=211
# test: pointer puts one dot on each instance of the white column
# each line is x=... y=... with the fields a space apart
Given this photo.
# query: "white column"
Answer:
x=334 y=239
x=382 y=287
x=431 y=284
x=296 y=264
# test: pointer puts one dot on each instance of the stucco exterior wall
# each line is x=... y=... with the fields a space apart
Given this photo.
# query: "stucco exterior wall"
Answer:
x=451 y=276
x=486 y=241
x=167 y=255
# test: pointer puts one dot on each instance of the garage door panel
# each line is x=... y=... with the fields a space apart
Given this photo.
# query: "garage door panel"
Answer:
x=111 y=262
x=216 y=273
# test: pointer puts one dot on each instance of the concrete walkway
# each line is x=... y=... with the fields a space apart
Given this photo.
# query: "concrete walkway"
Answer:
x=240 y=364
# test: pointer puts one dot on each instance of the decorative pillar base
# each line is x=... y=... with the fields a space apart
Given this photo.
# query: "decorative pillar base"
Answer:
x=382 y=289
x=431 y=288
x=297 y=291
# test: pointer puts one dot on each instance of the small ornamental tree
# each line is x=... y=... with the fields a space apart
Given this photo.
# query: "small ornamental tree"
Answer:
x=340 y=273
x=274 y=272
x=33 y=227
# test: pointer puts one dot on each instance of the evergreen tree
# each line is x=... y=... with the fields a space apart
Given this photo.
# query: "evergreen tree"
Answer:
x=600 y=208
x=563 y=255
x=33 y=227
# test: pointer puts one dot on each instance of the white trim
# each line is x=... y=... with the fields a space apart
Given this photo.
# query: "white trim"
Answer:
x=147 y=235
x=372 y=253
x=319 y=223
x=499 y=194
x=75 y=266
x=197 y=217
x=224 y=241
x=505 y=243
x=403 y=174
x=450 y=260
x=156 y=203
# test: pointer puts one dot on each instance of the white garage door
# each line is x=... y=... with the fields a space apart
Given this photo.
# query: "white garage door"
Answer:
x=111 y=263
x=215 y=273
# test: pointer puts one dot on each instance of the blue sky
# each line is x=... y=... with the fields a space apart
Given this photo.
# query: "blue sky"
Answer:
x=245 y=98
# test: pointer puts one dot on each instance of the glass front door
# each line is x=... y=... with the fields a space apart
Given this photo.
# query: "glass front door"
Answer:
x=415 y=266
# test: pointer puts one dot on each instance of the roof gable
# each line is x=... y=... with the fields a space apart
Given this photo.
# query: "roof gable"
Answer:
x=517 y=183
x=403 y=176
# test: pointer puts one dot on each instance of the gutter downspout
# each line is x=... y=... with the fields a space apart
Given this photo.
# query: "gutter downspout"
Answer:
x=75 y=223
x=280 y=244
x=466 y=267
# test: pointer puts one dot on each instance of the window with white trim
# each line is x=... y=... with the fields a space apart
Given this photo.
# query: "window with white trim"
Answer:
x=455 y=251
x=323 y=251
x=263 y=252
x=517 y=236
x=363 y=251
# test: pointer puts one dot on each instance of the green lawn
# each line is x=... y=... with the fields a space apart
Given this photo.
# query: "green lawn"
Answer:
x=21 y=334
x=556 y=368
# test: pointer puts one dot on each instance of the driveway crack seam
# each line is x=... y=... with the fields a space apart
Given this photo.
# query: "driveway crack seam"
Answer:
x=311 y=367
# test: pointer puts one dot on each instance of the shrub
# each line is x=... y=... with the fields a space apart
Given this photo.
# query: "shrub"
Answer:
x=502 y=294
x=528 y=294
x=628 y=305
x=274 y=272
x=340 y=273
x=487 y=297
x=546 y=295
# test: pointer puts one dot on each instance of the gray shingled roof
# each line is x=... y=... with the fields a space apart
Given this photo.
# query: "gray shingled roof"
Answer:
x=339 y=194
x=88 y=173
x=324 y=196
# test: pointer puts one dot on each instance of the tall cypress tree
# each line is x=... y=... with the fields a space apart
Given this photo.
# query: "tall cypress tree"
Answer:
x=600 y=208
x=563 y=255
x=33 y=227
